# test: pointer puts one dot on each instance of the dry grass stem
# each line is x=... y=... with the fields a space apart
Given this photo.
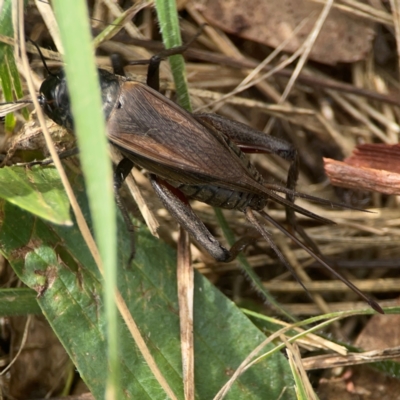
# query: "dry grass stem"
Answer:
x=329 y=361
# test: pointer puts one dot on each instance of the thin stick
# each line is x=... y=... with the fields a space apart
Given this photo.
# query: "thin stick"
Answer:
x=185 y=282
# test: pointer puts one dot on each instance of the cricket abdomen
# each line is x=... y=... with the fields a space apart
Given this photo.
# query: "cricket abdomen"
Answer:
x=222 y=197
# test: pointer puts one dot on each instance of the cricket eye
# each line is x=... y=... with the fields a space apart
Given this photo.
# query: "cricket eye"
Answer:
x=119 y=105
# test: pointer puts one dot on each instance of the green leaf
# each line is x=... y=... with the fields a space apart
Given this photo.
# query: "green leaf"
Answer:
x=54 y=261
x=37 y=190
x=389 y=367
x=16 y=81
x=21 y=301
x=9 y=76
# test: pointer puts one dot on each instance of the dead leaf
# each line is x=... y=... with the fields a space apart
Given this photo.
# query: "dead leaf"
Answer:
x=344 y=38
x=387 y=336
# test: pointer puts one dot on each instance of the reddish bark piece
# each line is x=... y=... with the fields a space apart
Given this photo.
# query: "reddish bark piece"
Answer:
x=374 y=167
x=376 y=156
x=344 y=38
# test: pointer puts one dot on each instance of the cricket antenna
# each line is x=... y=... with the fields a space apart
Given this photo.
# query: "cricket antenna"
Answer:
x=41 y=57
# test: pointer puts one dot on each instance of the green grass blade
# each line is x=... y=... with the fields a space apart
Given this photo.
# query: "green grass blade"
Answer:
x=169 y=26
x=73 y=19
x=16 y=81
x=9 y=76
x=6 y=86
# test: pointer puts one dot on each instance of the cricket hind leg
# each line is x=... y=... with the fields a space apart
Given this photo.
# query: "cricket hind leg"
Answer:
x=291 y=182
x=250 y=140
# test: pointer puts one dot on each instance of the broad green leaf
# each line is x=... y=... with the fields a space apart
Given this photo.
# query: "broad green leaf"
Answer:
x=37 y=190
x=54 y=261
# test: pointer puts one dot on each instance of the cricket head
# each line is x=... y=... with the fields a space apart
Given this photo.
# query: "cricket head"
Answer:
x=55 y=100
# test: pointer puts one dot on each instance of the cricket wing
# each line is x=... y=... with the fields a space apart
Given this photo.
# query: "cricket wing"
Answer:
x=161 y=136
